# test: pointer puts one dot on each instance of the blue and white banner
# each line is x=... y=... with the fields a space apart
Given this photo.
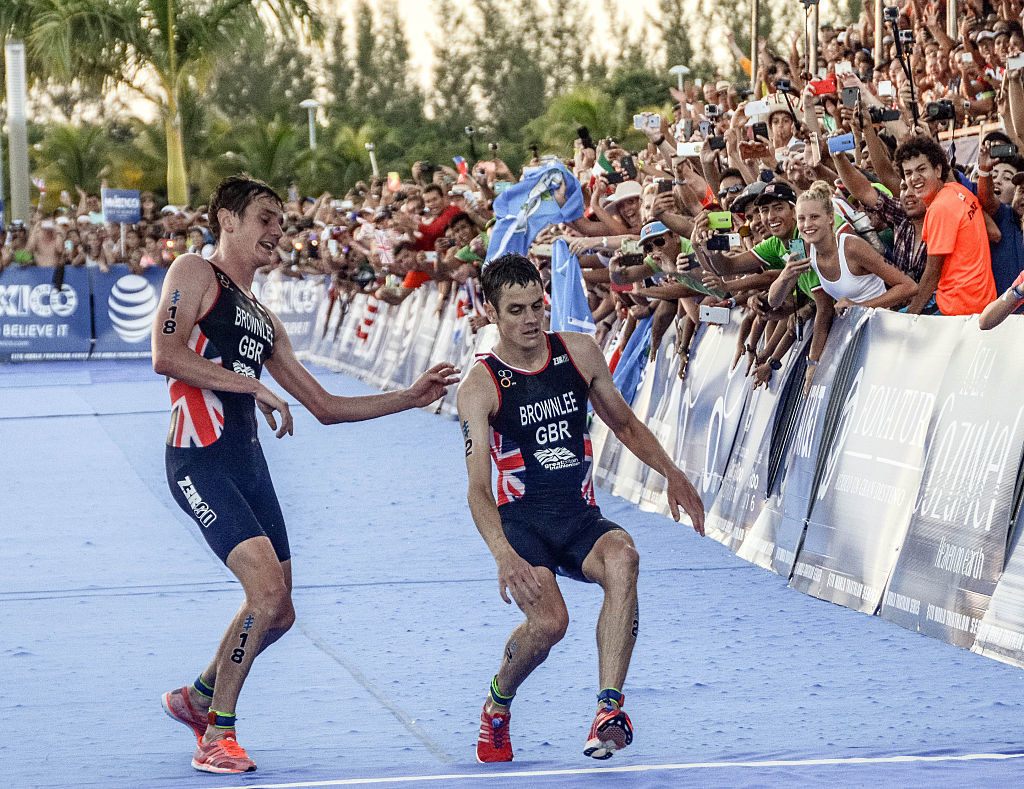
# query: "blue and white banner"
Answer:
x=121 y=206
x=37 y=321
x=528 y=207
x=124 y=305
x=295 y=301
x=569 y=308
x=633 y=360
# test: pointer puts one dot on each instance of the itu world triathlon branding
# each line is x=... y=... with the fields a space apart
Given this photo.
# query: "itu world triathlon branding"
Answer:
x=131 y=306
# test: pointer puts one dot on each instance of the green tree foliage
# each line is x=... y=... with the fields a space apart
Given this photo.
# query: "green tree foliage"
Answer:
x=70 y=156
x=267 y=80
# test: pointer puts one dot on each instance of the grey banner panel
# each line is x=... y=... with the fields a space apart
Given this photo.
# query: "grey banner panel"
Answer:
x=955 y=547
x=1001 y=630
x=784 y=516
x=872 y=470
x=712 y=405
x=742 y=495
x=658 y=376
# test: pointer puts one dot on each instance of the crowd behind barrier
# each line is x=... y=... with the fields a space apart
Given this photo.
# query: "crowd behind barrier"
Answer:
x=891 y=487
x=735 y=253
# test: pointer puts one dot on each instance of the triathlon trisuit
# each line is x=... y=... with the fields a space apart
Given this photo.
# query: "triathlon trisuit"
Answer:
x=215 y=465
x=541 y=447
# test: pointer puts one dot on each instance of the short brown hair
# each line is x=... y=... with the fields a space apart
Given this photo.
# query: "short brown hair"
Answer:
x=235 y=193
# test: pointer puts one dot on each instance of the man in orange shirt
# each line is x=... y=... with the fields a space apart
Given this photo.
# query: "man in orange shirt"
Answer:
x=959 y=266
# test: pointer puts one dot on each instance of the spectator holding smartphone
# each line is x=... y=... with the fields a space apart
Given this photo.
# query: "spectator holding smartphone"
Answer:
x=958 y=270
x=996 y=190
x=851 y=272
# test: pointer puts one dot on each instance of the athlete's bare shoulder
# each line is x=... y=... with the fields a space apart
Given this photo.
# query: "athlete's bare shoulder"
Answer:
x=190 y=265
x=585 y=353
x=478 y=388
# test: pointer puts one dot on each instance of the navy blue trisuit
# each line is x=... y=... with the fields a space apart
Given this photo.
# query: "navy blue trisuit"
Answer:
x=214 y=462
x=541 y=447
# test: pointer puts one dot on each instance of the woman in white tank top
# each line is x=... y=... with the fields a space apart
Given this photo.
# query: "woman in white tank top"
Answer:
x=850 y=270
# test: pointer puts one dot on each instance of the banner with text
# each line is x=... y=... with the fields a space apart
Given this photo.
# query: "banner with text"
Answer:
x=295 y=302
x=124 y=305
x=955 y=547
x=872 y=468
x=38 y=321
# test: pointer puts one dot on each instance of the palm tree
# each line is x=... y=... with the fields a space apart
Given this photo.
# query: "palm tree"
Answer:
x=272 y=152
x=157 y=48
x=74 y=156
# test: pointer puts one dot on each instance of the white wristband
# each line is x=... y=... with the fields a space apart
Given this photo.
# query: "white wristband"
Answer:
x=984 y=173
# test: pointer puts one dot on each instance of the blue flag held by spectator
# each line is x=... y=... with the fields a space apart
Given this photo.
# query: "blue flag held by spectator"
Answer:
x=528 y=207
x=569 y=308
x=630 y=368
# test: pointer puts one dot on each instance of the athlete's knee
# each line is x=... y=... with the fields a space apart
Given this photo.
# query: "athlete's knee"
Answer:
x=275 y=606
x=551 y=626
x=622 y=564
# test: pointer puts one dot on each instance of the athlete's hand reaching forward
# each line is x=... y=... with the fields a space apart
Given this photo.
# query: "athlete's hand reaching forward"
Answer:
x=268 y=403
x=519 y=577
x=433 y=384
x=682 y=494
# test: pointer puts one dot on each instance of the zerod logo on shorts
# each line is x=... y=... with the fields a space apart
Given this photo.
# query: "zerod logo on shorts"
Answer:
x=554 y=458
x=131 y=306
x=200 y=508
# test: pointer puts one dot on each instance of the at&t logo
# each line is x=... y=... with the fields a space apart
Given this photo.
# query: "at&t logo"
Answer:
x=131 y=306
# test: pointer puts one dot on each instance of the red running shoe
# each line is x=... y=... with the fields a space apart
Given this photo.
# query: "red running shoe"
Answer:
x=610 y=732
x=222 y=756
x=177 y=704
x=493 y=744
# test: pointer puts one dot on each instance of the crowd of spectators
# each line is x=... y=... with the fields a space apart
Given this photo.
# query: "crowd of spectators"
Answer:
x=784 y=205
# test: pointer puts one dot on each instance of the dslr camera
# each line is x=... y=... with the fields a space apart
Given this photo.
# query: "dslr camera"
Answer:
x=941 y=110
x=879 y=115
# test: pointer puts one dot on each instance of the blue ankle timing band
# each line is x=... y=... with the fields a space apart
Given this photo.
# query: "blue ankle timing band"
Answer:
x=222 y=720
x=496 y=696
x=202 y=688
x=611 y=696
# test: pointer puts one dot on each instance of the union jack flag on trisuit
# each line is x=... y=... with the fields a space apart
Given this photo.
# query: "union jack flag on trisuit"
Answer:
x=197 y=419
x=588 y=476
x=509 y=460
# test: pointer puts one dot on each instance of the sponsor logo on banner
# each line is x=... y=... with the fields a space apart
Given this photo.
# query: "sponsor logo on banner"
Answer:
x=41 y=301
x=300 y=296
x=554 y=458
x=131 y=307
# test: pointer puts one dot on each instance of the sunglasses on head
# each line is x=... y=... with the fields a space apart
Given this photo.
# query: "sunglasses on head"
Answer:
x=731 y=190
x=654 y=242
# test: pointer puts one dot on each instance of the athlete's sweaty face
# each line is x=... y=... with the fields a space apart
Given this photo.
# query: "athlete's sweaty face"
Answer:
x=519 y=315
x=258 y=230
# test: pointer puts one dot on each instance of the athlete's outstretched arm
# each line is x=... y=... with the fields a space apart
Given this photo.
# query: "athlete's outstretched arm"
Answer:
x=477 y=400
x=331 y=409
x=189 y=291
x=634 y=434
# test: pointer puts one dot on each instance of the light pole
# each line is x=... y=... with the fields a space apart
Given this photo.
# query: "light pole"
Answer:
x=373 y=159
x=17 y=128
x=679 y=72
x=311 y=106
